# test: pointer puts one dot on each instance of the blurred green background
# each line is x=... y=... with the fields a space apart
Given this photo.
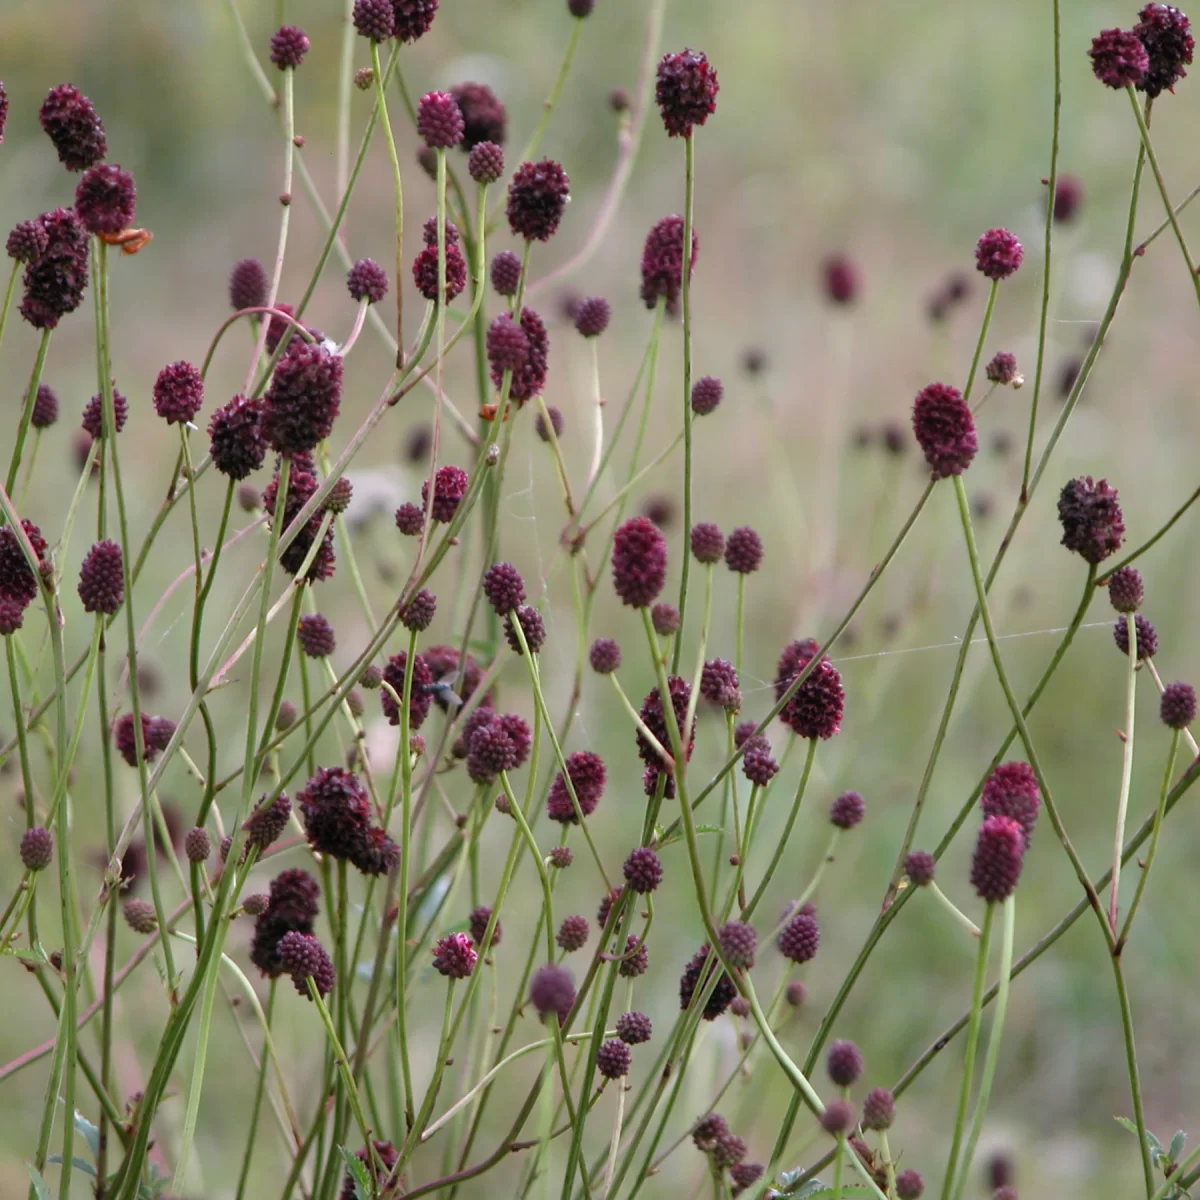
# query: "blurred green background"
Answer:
x=894 y=133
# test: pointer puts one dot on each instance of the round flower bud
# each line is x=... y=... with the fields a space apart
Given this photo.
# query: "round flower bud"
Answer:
x=485 y=163
x=1178 y=707
x=1166 y=35
x=197 y=845
x=532 y=626
x=506 y=273
x=1118 y=58
x=315 y=636
x=139 y=916
x=439 y=120
x=841 y=279
x=909 y=1185
x=844 y=1063
x=71 y=123
x=572 y=933
x=665 y=619
x=303 y=958
x=839 y=1117
x=37 y=848
x=248 y=286
x=708 y=1131
x=1126 y=590
x=27 y=242
x=367 y=280
x=285 y=718
x=847 y=810
x=613 y=1059
x=604 y=656
x=1147 y=639
x=374 y=19
x=1092 y=521
x=999 y=852
x=799 y=938
x=643 y=870
x=743 y=551
x=592 y=316
x=707 y=392
x=104 y=199
x=454 y=956
x=796 y=993
x=879 y=1109
x=449 y=488
x=537 y=195
x=639 y=562
x=998 y=254
x=504 y=587
x=634 y=1028
x=410 y=519
x=101 y=578
x=289 y=45
x=1011 y=790
x=236 y=437
x=662 y=263
x=552 y=990
x=561 y=857
x=708 y=543
x=686 y=91
x=920 y=866
x=945 y=429
x=1002 y=368
x=417 y=615
x=739 y=943
x=178 y=393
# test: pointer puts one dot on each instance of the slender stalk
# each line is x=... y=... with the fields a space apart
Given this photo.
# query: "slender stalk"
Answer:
x=398 y=187
x=968 y=1075
x=1131 y=1063
x=1126 y=771
x=35 y=376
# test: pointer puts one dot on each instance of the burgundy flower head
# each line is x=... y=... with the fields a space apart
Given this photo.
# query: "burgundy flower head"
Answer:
x=634 y=1028
x=1091 y=517
x=418 y=612
x=1068 y=196
x=484 y=116
x=719 y=684
x=27 y=241
x=841 y=279
x=999 y=852
x=236 y=443
x=289 y=45
x=758 y=763
x=1012 y=791
x=665 y=619
x=506 y=273
x=739 y=943
x=686 y=91
x=945 y=429
x=368 y=281
x=719 y=998
x=93 y=414
x=454 y=956
x=1126 y=591
x=425 y=272
x=449 y=488
x=537 y=195
x=639 y=562
x=635 y=958
x=265 y=825
x=420 y=699
x=504 y=587
x=104 y=199
x=1178 y=706
x=643 y=870
x=844 y=1063
x=909 y=1185
x=291 y=905
x=531 y=625
x=45 y=407
x=1166 y=35
x=847 y=810
x=614 y=1058
x=1118 y=58
x=304 y=398
x=1002 y=368
x=315 y=636
x=178 y=393
x=72 y=125
x=588 y=775
x=439 y=120
x=572 y=933
x=55 y=281
x=529 y=379
x=706 y=395
x=1147 y=639
x=101 y=578
x=998 y=254
x=302 y=485
x=708 y=543
x=153 y=741
x=552 y=990
x=654 y=718
x=839 y=1117
x=708 y=1131
x=604 y=656
x=37 y=848
x=662 y=262
x=800 y=938
x=556 y=424
x=507 y=347
x=879 y=1109
x=743 y=551
x=303 y=957
x=374 y=19
x=413 y=18
x=816 y=708
x=248 y=286
x=478 y=923
x=592 y=316
x=920 y=867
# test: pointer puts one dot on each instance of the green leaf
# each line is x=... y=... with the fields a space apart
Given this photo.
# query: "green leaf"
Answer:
x=358 y=1172
x=88 y=1132
x=1175 y=1150
x=1151 y=1140
x=77 y=1164
x=709 y=829
x=40 y=1186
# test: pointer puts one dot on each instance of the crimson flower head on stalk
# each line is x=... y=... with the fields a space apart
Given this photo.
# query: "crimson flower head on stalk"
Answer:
x=686 y=91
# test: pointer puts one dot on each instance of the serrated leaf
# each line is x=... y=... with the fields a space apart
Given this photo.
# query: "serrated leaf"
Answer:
x=358 y=1172
x=88 y=1132
x=40 y=1186
x=1175 y=1149
x=1151 y=1140
x=77 y=1163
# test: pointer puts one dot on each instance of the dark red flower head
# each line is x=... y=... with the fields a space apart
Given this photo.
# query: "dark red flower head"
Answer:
x=662 y=262
x=743 y=551
x=844 y=1063
x=739 y=943
x=1178 y=706
x=1147 y=639
x=529 y=379
x=537 y=195
x=485 y=163
x=1118 y=58
x=484 y=116
x=93 y=414
x=425 y=271
x=879 y=1109
x=999 y=852
x=706 y=395
x=237 y=444
x=839 y=1117
x=45 y=407
x=37 y=848
x=572 y=933
x=248 y=286
x=303 y=958
x=291 y=905
x=55 y=281
x=588 y=775
x=719 y=998
x=634 y=1028
x=1012 y=791
x=1126 y=591
x=420 y=700
x=368 y=281
x=1068 y=196
x=1002 y=368
x=449 y=487
x=816 y=708
x=531 y=625
x=909 y=1185
x=315 y=636
x=639 y=562
x=504 y=587
x=1091 y=517
x=719 y=684
x=374 y=19
x=72 y=125
x=507 y=347
x=643 y=870
x=303 y=399
x=104 y=199
x=758 y=763
x=1166 y=35
x=708 y=543
x=920 y=867
x=178 y=393
x=686 y=91
x=592 y=316
x=552 y=990
x=413 y=18
x=605 y=656
x=847 y=810
x=556 y=424
x=439 y=120
x=841 y=279
x=101 y=578
x=665 y=619
x=289 y=45
x=418 y=612
x=27 y=241
x=945 y=429
x=800 y=938
x=265 y=825
x=708 y=1131
x=478 y=923
x=654 y=718
x=454 y=956
x=998 y=254
x=506 y=273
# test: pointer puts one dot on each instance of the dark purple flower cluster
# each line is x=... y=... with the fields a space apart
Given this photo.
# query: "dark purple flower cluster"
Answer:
x=1118 y=58
x=56 y=279
x=496 y=743
x=537 y=196
x=721 y=995
x=18 y=583
x=367 y=280
x=686 y=91
x=999 y=853
x=178 y=393
x=1091 y=517
x=439 y=120
x=102 y=579
x=1011 y=790
x=104 y=199
x=743 y=551
x=484 y=116
x=719 y=684
x=236 y=437
x=643 y=870
x=303 y=399
x=815 y=709
x=71 y=123
x=1178 y=706
x=485 y=163
x=248 y=286
x=945 y=429
x=529 y=369
x=315 y=636
x=265 y=825
x=552 y=990
x=800 y=938
x=420 y=699
x=532 y=629
x=1126 y=591
x=454 y=957
x=1002 y=368
x=998 y=254
x=337 y=819
x=302 y=486
x=413 y=18
x=1147 y=638
x=1166 y=35
x=289 y=45
x=662 y=263
x=655 y=719
x=639 y=562
x=425 y=269
x=93 y=414
x=505 y=273
x=303 y=957
x=449 y=488
x=27 y=241
x=156 y=734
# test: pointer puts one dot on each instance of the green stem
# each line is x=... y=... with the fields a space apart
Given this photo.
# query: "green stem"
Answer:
x=686 y=290
x=1131 y=1063
x=1126 y=771
x=27 y=412
x=398 y=187
x=983 y=332
x=968 y=1076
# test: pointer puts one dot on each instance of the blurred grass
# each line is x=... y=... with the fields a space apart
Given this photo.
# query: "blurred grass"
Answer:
x=893 y=132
